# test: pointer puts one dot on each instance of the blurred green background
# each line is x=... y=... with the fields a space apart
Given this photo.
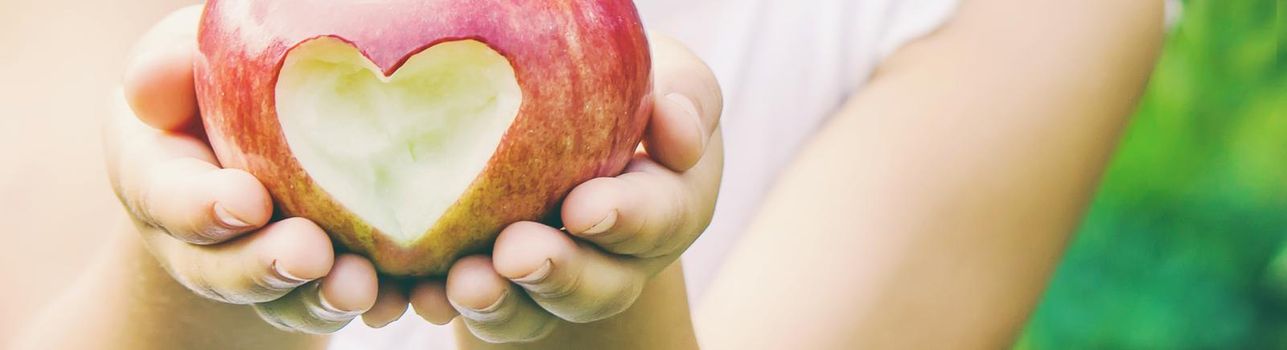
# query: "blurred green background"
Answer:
x=1178 y=250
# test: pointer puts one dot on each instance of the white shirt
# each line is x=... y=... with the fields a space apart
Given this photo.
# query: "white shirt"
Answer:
x=784 y=67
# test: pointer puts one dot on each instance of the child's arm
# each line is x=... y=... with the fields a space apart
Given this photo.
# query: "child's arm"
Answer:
x=126 y=301
x=932 y=209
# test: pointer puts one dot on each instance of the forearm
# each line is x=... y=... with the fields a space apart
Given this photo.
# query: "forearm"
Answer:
x=125 y=300
x=658 y=320
x=931 y=211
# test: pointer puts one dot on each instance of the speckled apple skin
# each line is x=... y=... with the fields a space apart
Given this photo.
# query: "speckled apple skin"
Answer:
x=583 y=67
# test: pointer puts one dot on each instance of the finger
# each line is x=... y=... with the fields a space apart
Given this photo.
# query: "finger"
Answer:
x=687 y=107
x=575 y=282
x=258 y=267
x=650 y=211
x=325 y=306
x=158 y=79
x=197 y=202
x=170 y=180
x=389 y=305
x=429 y=298
x=493 y=309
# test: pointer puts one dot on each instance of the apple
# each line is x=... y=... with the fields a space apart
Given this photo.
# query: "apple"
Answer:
x=413 y=131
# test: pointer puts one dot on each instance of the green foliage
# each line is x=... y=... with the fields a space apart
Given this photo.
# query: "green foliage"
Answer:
x=1178 y=249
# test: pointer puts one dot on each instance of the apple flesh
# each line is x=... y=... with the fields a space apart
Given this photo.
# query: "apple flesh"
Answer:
x=391 y=148
x=413 y=131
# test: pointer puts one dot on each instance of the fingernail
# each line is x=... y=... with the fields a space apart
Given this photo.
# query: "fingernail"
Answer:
x=227 y=219
x=279 y=279
x=329 y=312
x=685 y=103
x=488 y=313
x=539 y=275
x=495 y=305
x=689 y=107
x=603 y=225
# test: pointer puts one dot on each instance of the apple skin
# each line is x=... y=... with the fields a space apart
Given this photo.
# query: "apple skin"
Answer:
x=583 y=68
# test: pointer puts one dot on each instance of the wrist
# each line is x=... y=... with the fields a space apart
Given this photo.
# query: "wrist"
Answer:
x=125 y=300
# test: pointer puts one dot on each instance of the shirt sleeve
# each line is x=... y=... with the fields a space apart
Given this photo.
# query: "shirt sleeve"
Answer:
x=908 y=20
x=875 y=29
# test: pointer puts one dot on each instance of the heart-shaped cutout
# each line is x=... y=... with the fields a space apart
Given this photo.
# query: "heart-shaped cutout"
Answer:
x=397 y=151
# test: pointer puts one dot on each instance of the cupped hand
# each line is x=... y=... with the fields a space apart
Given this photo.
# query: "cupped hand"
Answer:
x=211 y=227
x=620 y=231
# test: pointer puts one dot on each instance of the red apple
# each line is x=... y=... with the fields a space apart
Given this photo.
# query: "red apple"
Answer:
x=413 y=131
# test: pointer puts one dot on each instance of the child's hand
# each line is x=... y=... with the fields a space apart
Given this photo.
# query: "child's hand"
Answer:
x=620 y=231
x=208 y=226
